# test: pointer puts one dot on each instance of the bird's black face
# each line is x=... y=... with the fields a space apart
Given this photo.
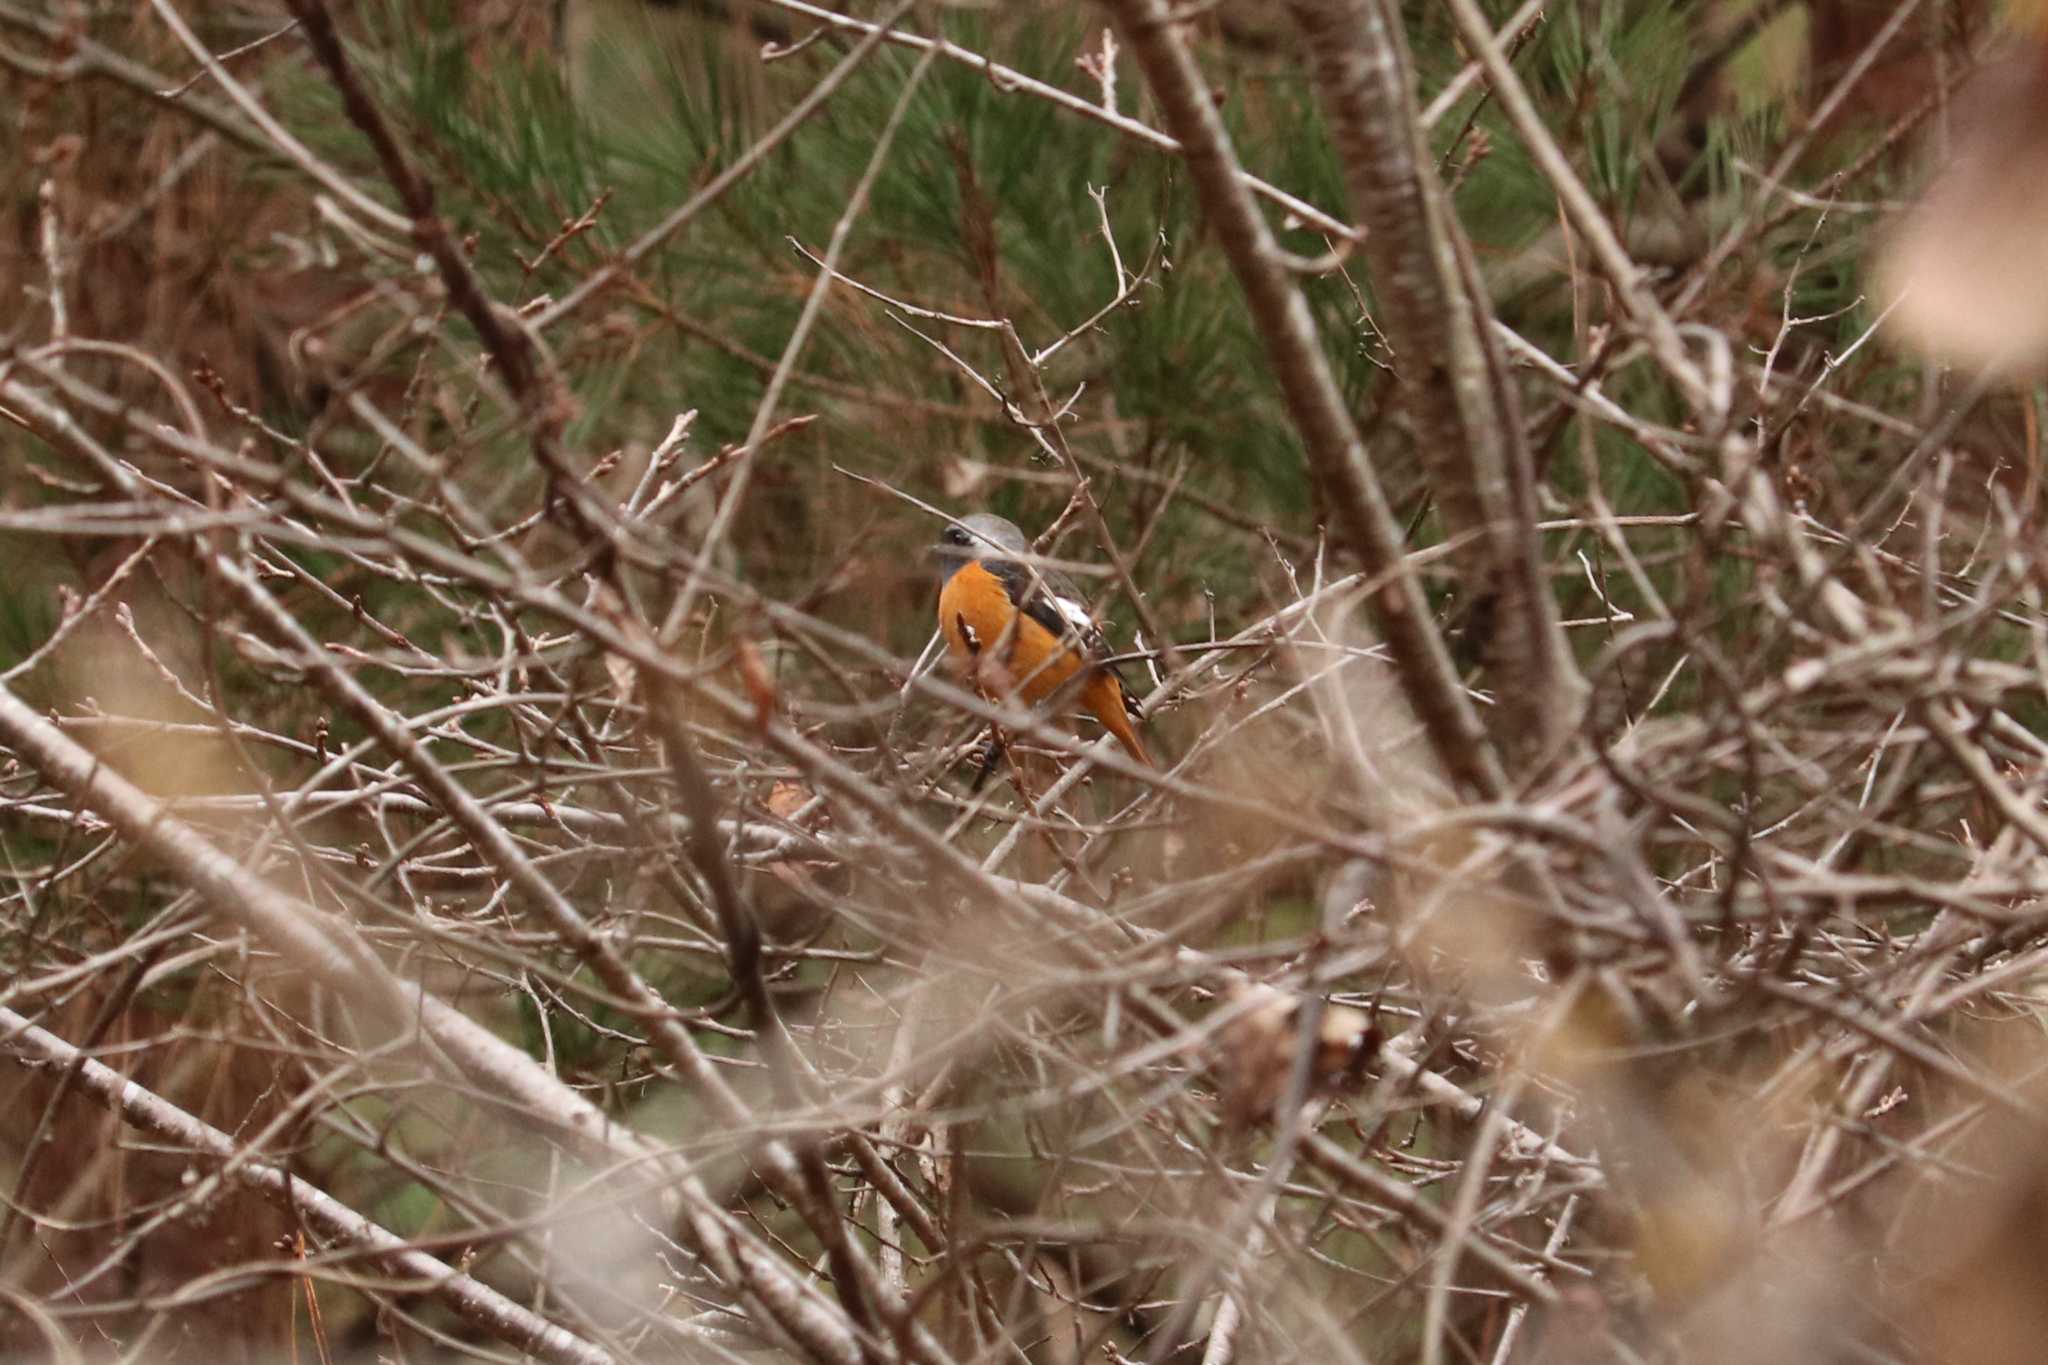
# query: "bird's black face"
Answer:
x=956 y=546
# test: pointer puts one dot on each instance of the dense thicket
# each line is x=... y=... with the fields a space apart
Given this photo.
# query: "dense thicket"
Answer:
x=490 y=870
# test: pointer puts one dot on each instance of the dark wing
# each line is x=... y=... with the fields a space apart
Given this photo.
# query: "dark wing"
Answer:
x=1052 y=601
x=1133 y=707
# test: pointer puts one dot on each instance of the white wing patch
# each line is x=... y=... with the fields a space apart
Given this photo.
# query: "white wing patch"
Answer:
x=1073 y=613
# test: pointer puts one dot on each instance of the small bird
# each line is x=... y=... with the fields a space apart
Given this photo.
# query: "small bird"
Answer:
x=1013 y=629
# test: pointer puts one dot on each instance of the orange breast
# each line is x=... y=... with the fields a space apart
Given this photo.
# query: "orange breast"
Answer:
x=997 y=649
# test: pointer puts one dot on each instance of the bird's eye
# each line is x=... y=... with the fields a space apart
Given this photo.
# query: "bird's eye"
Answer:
x=954 y=536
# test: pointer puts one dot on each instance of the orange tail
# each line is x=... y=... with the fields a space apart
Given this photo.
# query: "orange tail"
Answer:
x=1121 y=728
x=1104 y=698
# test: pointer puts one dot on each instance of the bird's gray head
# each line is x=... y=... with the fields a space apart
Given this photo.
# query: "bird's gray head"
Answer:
x=981 y=536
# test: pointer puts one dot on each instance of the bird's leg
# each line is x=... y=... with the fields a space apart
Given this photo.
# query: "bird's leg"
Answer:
x=992 y=751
